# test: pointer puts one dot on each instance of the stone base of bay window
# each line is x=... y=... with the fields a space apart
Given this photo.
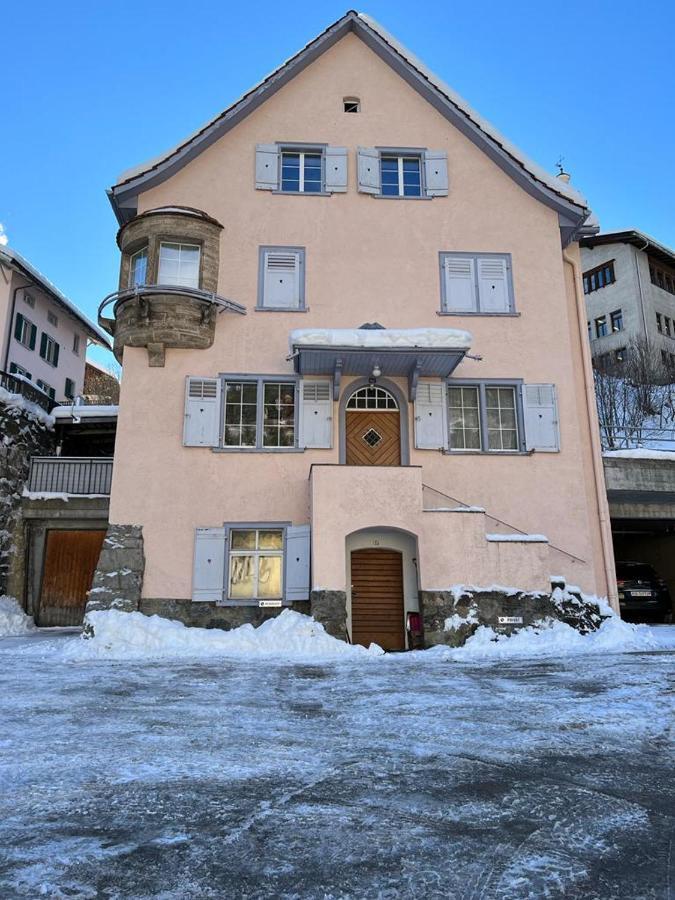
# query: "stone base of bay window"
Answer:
x=210 y=615
x=451 y=617
x=330 y=609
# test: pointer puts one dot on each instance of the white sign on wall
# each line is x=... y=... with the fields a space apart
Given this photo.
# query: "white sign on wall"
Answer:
x=266 y=603
x=510 y=620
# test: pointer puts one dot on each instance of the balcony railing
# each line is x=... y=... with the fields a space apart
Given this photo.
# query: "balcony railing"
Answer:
x=16 y=385
x=77 y=475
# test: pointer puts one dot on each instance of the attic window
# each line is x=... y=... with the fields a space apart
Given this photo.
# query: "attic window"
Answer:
x=351 y=105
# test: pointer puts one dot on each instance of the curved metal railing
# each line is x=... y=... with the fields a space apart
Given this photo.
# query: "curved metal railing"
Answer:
x=150 y=289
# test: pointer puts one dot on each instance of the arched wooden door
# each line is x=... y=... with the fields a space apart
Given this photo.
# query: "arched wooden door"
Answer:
x=373 y=428
x=377 y=598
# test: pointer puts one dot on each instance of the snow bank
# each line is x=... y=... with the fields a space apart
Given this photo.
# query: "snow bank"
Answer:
x=430 y=338
x=290 y=635
x=557 y=639
x=517 y=538
x=13 y=620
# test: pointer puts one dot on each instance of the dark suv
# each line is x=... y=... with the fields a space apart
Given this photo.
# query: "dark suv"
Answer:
x=642 y=594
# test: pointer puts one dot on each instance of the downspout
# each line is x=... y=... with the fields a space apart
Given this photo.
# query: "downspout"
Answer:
x=10 y=325
x=596 y=449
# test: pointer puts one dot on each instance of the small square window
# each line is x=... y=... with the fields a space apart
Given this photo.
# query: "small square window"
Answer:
x=29 y=300
x=351 y=105
x=52 y=319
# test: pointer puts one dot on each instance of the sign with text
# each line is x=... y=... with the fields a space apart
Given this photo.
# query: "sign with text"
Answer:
x=510 y=620
x=266 y=603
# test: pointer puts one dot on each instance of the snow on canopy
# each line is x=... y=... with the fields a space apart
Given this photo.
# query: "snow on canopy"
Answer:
x=392 y=338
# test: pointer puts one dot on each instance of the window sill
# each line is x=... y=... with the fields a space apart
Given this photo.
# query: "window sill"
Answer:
x=251 y=604
x=281 y=309
x=487 y=452
x=258 y=449
x=305 y=193
x=392 y=197
x=511 y=315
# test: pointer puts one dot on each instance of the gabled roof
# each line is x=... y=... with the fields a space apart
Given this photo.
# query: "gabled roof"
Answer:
x=554 y=192
x=14 y=260
x=638 y=239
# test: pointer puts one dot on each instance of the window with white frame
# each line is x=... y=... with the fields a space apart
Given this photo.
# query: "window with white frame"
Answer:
x=302 y=171
x=484 y=417
x=46 y=388
x=464 y=418
x=179 y=264
x=259 y=414
x=25 y=331
x=476 y=283
x=256 y=564
x=138 y=267
x=400 y=176
x=16 y=369
x=49 y=350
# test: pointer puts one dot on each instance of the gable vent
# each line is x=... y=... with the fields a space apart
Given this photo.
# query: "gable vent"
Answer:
x=281 y=261
x=316 y=391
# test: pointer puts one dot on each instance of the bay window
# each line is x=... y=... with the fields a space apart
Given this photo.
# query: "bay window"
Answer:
x=179 y=264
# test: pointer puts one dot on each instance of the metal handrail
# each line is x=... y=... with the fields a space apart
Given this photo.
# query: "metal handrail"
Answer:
x=149 y=289
x=70 y=475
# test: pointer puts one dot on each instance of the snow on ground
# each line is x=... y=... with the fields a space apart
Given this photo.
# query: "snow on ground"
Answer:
x=639 y=453
x=121 y=635
x=414 y=776
x=18 y=401
x=13 y=620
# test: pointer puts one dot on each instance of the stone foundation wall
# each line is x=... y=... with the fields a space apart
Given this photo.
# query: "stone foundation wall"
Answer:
x=451 y=617
x=209 y=615
x=118 y=578
x=21 y=436
x=330 y=608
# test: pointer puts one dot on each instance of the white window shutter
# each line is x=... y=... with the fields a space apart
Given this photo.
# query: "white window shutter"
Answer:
x=267 y=167
x=297 y=563
x=493 y=284
x=436 y=173
x=202 y=412
x=460 y=284
x=208 y=570
x=336 y=169
x=316 y=414
x=282 y=276
x=368 y=170
x=431 y=418
x=540 y=412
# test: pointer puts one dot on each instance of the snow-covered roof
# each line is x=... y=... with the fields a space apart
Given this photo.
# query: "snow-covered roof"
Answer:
x=84 y=411
x=385 y=338
x=550 y=189
x=15 y=260
x=632 y=236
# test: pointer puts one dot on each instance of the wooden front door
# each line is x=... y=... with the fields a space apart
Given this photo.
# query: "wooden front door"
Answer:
x=70 y=561
x=377 y=598
x=373 y=438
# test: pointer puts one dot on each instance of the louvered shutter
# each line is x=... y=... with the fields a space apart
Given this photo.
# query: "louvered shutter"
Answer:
x=368 y=170
x=18 y=326
x=55 y=361
x=32 y=337
x=208 y=570
x=297 y=563
x=436 y=173
x=316 y=414
x=281 y=274
x=43 y=346
x=267 y=167
x=202 y=412
x=431 y=422
x=493 y=285
x=336 y=169
x=460 y=284
x=540 y=412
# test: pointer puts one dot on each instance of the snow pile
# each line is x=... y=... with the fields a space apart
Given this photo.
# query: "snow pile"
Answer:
x=639 y=453
x=17 y=401
x=429 y=338
x=554 y=638
x=13 y=620
x=290 y=635
x=455 y=621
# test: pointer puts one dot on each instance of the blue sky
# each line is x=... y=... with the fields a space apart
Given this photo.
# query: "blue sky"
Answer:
x=91 y=89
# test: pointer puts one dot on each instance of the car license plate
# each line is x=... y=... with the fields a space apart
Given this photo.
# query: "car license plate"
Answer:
x=640 y=593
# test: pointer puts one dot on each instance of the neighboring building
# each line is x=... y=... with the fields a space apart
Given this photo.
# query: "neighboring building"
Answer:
x=43 y=336
x=300 y=453
x=629 y=283
x=100 y=386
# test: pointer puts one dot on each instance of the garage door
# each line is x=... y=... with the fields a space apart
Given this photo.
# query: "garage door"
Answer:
x=70 y=561
x=377 y=598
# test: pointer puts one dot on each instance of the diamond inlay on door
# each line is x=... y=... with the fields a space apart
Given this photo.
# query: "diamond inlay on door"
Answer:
x=372 y=438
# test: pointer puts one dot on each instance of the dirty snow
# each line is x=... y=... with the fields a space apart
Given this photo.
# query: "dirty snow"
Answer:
x=18 y=401
x=291 y=635
x=13 y=620
x=411 y=777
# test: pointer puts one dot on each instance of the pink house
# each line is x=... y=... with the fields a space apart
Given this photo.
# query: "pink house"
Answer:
x=356 y=372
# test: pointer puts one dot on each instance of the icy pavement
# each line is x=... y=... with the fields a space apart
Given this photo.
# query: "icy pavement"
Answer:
x=377 y=777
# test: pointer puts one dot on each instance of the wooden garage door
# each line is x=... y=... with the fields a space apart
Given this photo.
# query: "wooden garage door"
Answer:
x=377 y=598
x=70 y=560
